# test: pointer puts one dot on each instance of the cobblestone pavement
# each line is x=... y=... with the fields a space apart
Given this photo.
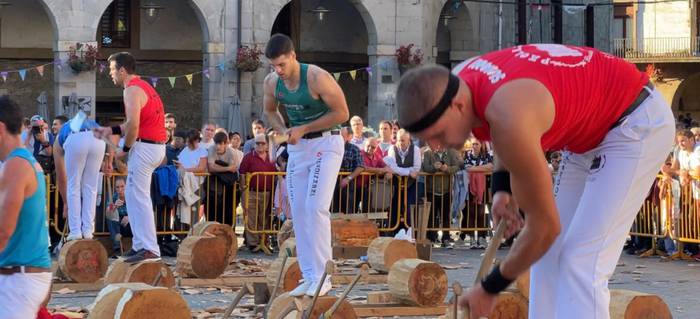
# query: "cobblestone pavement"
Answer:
x=677 y=282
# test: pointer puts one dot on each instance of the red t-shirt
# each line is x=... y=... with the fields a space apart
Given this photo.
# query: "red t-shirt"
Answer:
x=252 y=162
x=151 y=124
x=377 y=161
x=590 y=89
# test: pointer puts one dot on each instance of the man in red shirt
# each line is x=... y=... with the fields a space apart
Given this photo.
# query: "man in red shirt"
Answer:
x=144 y=142
x=260 y=186
x=380 y=190
x=614 y=128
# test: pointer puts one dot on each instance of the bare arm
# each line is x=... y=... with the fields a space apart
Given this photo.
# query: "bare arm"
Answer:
x=15 y=184
x=486 y=168
x=322 y=83
x=61 y=177
x=200 y=168
x=516 y=133
x=272 y=113
x=134 y=100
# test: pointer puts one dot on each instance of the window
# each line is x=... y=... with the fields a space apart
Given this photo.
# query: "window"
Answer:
x=622 y=22
x=115 y=25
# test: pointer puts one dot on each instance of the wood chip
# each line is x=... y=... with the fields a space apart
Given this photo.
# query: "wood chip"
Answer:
x=192 y=291
x=65 y=291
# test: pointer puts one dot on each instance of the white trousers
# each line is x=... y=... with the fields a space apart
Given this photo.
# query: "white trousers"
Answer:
x=83 y=156
x=22 y=294
x=144 y=158
x=598 y=195
x=311 y=175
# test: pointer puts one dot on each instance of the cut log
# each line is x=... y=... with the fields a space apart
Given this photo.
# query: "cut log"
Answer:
x=627 y=304
x=290 y=243
x=290 y=276
x=218 y=230
x=383 y=252
x=279 y=304
x=323 y=303
x=380 y=298
x=353 y=232
x=202 y=257
x=523 y=284
x=286 y=231
x=418 y=282
x=509 y=305
x=144 y=272
x=83 y=260
x=138 y=300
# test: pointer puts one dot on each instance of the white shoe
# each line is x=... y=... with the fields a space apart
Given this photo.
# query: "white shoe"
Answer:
x=301 y=289
x=87 y=236
x=73 y=237
x=325 y=288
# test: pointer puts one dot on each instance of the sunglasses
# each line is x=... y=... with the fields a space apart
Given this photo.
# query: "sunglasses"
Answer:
x=260 y=143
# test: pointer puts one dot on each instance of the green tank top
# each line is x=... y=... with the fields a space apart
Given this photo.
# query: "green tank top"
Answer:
x=301 y=107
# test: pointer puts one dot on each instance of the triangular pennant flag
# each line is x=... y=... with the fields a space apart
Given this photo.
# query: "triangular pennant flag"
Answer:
x=40 y=69
x=222 y=66
x=189 y=78
x=353 y=73
x=206 y=73
x=102 y=67
x=59 y=63
x=154 y=81
x=336 y=76
x=172 y=81
x=369 y=70
x=22 y=73
x=4 y=76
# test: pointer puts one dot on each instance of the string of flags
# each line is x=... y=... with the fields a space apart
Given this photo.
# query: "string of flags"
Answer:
x=384 y=65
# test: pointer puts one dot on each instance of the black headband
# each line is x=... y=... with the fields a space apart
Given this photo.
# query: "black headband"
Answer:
x=431 y=117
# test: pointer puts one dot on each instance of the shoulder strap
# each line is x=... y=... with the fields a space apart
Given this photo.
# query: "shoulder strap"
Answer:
x=303 y=69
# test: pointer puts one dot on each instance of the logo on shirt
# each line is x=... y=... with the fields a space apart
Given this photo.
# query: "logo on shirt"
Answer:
x=280 y=95
x=554 y=54
x=597 y=164
x=494 y=73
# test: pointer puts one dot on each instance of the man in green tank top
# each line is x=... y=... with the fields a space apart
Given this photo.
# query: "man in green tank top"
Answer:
x=315 y=106
x=25 y=265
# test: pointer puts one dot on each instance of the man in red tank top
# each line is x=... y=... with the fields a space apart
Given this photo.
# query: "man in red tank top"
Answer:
x=615 y=131
x=144 y=143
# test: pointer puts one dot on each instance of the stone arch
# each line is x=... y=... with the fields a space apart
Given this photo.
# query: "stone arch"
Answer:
x=456 y=39
x=685 y=98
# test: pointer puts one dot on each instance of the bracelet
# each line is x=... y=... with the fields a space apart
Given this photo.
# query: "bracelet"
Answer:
x=117 y=130
x=494 y=283
x=500 y=182
x=126 y=149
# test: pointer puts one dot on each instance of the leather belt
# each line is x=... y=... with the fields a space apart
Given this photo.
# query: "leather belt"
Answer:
x=643 y=95
x=143 y=140
x=311 y=135
x=22 y=269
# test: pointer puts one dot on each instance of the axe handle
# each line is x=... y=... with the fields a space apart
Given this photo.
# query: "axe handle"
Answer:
x=277 y=285
x=236 y=300
x=329 y=313
x=490 y=253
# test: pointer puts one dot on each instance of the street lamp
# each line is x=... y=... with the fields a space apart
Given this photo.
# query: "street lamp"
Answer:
x=152 y=11
x=320 y=11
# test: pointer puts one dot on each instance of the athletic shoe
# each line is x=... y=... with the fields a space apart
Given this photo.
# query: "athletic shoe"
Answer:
x=87 y=236
x=142 y=255
x=301 y=289
x=74 y=237
x=481 y=243
x=129 y=253
x=325 y=288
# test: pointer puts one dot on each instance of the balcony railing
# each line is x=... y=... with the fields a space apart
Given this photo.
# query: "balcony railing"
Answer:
x=657 y=48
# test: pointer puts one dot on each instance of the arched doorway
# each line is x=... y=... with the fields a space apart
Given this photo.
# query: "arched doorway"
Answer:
x=687 y=97
x=26 y=51
x=338 y=43
x=168 y=51
x=455 y=38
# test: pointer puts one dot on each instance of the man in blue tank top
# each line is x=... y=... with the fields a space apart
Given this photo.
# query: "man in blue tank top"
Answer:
x=25 y=273
x=315 y=105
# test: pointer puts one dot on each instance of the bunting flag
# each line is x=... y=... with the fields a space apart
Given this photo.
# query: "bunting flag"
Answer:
x=59 y=63
x=369 y=71
x=102 y=67
x=222 y=66
x=22 y=74
x=189 y=78
x=172 y=81
x=206 y=73
x=154 y=81
x=336 y=76
x=4 y=76
x=40 y=69
x=352 y=74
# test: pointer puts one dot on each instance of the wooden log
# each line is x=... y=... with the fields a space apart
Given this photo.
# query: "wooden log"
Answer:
x=144 y=272
x=418 y=282
x=353 y=232
x=138 y=300
x=291 y=244
x=627 y=304
x=83 y=260
x=218 y=230
x=286 y=231
x=279 y=304
x=509 y=305
x=383 y=252
x=202 y=257
x=398 y=310
x=523 y=284
x=291 y=274
x=349 y=252
x=323 y=303
x=380 y=298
